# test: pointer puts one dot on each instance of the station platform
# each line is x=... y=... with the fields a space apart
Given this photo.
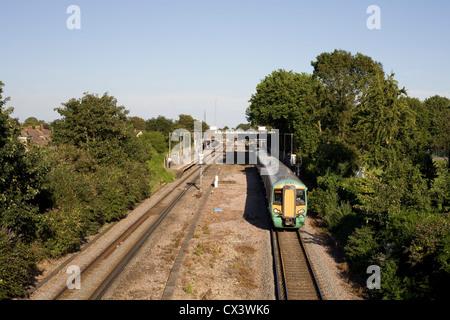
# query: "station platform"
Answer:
x=179 y=169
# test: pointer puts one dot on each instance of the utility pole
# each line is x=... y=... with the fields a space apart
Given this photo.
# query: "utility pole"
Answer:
x=200 y=162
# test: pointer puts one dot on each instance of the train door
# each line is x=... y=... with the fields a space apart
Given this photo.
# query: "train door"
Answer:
x=289 y=195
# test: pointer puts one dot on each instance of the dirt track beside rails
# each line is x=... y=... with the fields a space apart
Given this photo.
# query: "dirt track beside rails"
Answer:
x=229 y=256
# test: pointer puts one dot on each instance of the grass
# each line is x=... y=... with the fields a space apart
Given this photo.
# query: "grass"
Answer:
x=244 y=274
x=198 y=250
x=205 y=228
x=155 y=164
x=188 y=288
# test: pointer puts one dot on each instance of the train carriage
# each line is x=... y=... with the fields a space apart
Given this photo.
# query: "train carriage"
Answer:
x=286 y=194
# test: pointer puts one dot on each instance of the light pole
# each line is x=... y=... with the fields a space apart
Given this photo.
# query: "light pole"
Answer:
x=200 y=162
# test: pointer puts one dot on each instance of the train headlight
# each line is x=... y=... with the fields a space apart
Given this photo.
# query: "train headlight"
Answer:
x=276 y=210
x=301 y=211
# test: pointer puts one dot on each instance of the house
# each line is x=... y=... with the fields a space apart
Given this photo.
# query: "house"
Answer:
x=36 y=135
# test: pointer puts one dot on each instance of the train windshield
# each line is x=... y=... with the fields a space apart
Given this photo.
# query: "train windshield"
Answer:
x=300 y=199
x=278 y=196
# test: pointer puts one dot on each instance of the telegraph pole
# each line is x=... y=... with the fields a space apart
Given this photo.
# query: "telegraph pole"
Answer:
x=200 y=162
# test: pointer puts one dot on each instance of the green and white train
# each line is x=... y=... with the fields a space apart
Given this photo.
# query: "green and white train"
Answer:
x=285 y=192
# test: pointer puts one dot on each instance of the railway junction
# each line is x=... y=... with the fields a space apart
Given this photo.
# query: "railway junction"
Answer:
x=207 y=241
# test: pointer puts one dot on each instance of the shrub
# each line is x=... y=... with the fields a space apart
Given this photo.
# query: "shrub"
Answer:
x=393 y=287
x=16 y=262
x=339 y=157
x=361 y=247
x=341 y=220
x=65 y=230
x=158 y=173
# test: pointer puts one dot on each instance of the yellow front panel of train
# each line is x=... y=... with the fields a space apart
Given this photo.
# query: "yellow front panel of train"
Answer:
x=289 y=203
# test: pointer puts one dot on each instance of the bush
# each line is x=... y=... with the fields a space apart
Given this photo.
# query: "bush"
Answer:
x=158 y=173
x=16 y=262
x=65 y=230
x=120 y=188
x=393 y=287
x=335 y=203
x=361 y=247
x=341 y=220
x=84 y=195
x=339 y=157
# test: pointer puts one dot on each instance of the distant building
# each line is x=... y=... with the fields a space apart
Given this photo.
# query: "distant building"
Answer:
x=36 y=135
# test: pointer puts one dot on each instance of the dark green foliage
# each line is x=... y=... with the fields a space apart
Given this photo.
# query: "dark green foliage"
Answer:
x=156 y=140
x=439 y=117
x=361 y=247
x=22 y=174
x=346 y=79
x=160 y=124
x=289 y=102
x=95 y=124
x=137 y=122
x=16 y=262
x=339 y=157
x=85 y=195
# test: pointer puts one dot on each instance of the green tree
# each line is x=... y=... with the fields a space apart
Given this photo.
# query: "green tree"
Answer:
x=423 y=120
x=185 y=121
x=156 y=140
x=289 y=102
x=244 y=126
x=93 y=123
x=137 y=122
x=382 y=144
x=22 y=175
x=346 y=79
x=33 y=121
x=161 y=124
x=439 y=110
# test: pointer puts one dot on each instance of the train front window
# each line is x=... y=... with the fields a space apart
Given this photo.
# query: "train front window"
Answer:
x=300 y=198
x=278 y=196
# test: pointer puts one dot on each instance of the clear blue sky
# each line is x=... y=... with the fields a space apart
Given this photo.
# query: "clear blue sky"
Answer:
x=170 y=57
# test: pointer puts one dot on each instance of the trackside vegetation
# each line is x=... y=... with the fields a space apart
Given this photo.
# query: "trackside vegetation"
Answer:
x=349 y=116
x=53 y=197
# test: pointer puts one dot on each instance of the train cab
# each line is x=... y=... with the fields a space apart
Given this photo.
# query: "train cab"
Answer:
x=289 y=205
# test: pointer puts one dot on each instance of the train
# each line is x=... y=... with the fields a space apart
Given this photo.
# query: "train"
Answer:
x=286 y=194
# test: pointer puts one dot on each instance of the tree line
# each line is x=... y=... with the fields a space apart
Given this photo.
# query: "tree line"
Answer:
x=94 y=170
x=349 y=115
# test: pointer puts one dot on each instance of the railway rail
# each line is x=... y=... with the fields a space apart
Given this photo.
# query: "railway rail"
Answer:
x=158 y=212
x=294 y=275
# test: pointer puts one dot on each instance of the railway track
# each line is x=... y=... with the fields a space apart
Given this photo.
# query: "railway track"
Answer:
x=136 y=234
x=294 y=276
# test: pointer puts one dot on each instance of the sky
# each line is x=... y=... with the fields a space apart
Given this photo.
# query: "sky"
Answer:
x=166 y=57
